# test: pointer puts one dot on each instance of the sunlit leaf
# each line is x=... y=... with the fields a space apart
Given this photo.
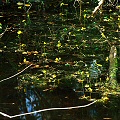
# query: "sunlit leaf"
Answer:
x=80 y=81
x=82 y=73
x=19 y=3
x=37 y=66
x=44 y=43
x=99 y=65
x=83 y=28
x=24 y=60
x=23 y=45
x=87 y=73
x=61 y=4
x=102 y=34
x=61 y=14
x=59 y=44
x=44 y=71
x=27 y=5
x=57 y=59
x=105 y=98
x=20 y=7
x=24 y=53
x=90 y=89
x=86 y=85
x=54 y=76
x=24 y=90
x=107 y=78
x=119 y=18
x=106 y=59
x=85 y=16
x=23 y=20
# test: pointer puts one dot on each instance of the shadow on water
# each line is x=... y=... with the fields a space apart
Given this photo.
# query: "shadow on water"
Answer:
x=31 y=99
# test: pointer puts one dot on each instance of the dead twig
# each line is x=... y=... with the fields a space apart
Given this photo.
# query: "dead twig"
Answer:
x=98 y=7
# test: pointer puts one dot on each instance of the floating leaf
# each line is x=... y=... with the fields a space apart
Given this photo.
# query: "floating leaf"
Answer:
x=99 y=65
x=19 y=3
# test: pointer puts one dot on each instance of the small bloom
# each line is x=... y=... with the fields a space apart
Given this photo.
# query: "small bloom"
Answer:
x=19 y=32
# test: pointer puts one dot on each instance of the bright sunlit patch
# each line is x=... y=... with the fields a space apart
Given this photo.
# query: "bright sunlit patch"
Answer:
x=19 y=32
x=27 y=5
x=19 y=3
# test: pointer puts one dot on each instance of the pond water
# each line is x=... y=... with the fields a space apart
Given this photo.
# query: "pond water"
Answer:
x=61 y=47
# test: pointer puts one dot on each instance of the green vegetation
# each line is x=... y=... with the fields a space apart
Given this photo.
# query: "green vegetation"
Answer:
x=69 y=48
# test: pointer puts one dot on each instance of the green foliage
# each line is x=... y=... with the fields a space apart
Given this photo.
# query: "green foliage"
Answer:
x=62 y=47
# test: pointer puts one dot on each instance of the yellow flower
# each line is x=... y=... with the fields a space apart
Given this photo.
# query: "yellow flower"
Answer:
x=19 y=3
x=19 y=32
x=57 y=59
x=90 y=89
x=44 y=43
x=107 y=78
x=80 y=81
x=23 y=20
x=107 y=59
x=54 y=76
x=83 y=28
x=59 y=44
x=27 y=5
x=105 y=99
x=44 y=71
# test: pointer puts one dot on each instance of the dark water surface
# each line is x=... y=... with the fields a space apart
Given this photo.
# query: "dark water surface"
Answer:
x=42 y=27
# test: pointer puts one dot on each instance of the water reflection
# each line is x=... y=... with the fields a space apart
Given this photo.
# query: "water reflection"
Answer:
x=32 y=103
x=32 y=100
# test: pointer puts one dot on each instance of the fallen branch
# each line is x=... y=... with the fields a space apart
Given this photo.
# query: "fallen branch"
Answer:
x=98 y=7
x=29 y=8
x=16 y=74
x=3 y=32
x=48 y=109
